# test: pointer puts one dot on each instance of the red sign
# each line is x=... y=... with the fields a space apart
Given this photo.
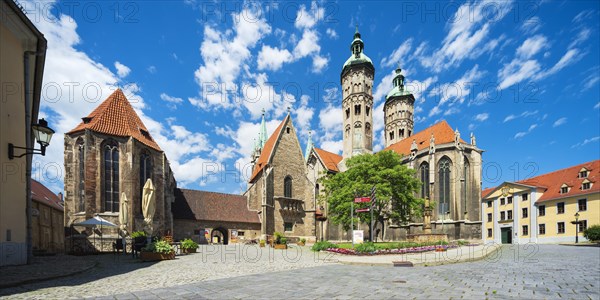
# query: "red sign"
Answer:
x=362 y=199
x=362 y=210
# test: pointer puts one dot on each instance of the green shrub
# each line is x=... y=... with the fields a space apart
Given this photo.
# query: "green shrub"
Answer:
x=592 y=233
x=462 y=242
x=366 y=247
x=136 y=234
x=159 y=247
x=188 y=244
x=278 y=236
x=302 y=240
x=283 y=241
x=324 y=245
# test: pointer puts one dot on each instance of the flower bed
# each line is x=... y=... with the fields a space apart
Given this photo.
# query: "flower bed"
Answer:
x=393 y=251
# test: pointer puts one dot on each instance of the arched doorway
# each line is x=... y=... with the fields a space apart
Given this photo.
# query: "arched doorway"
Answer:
x=221 y=236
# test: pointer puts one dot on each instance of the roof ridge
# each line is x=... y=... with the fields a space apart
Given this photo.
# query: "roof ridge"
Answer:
x=221 y=193
x=556 y=171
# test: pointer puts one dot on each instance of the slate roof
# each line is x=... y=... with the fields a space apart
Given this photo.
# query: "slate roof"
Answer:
x=442 y=132
x=265 y=154
x=211 y=206
x=331 y=160
x=41 y=194
x=115 y=116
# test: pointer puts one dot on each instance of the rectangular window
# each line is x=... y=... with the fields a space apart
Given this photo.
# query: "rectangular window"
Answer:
x=564 y=190
x=583 y=174
x=542 y=210
x=524 y=212
x=560 y=208
x=502 y=215
x=288 y=226
x=586 y=186
x=525 y=197
x=560 y=227
x=509 y=200
x=489 y=217
x=525 y=230
x=502 y=201
x=509 y=215
x=489 y=203
x=582 y=204
x=582 y=225
x=542 y=229
x=489 y=232
x=241 y=233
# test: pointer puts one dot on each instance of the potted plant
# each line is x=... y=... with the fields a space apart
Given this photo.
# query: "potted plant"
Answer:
x=280 y=241
x=302 y=242
x=188 y=246
x=262 y=243
x=160 y=250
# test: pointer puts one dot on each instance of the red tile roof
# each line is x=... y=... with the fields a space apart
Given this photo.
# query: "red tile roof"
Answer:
x=210 y=206
x=553 y=181
x=265 y=154
x=329 y=159
x=486 y=192
x=41 y=194
x=115 y=116
x=442 y=132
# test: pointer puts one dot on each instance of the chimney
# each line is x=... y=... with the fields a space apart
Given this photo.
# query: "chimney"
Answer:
x=60 y=197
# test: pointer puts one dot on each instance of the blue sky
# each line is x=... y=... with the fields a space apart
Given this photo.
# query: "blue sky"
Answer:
x=523 y=76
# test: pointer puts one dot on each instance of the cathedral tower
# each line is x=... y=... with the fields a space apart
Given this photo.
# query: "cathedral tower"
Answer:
x=398 y=112
x=357 y=94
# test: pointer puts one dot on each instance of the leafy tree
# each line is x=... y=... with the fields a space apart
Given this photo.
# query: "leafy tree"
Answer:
x=592 y=233
x=396 y=187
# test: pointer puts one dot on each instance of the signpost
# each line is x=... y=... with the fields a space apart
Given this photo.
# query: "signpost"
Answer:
x=363 y=210
x=373 y=199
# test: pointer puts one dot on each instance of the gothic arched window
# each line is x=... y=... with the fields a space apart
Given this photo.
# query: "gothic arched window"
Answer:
x=444 y=183
x=81 y=174
x=111 y=176
x=357 y=110
x=424 y=174
x=368 y=133
x=287 y=187
x=465 y=186
x=145 y=172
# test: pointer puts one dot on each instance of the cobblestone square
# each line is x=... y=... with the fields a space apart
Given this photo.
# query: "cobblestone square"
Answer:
x=247 y=272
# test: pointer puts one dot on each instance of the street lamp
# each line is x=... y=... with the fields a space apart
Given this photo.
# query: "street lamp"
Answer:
x=43 y=135
x=576 y=227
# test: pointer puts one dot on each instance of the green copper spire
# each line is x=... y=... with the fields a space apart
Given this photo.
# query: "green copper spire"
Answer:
x=309 y=145
x=398 y=85
x=262 y=135
x=358 y=56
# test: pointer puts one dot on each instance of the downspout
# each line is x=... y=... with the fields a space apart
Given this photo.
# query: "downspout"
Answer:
x=28 y=166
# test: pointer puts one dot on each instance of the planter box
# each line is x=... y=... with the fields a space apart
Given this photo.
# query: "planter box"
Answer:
x=153 y=256
x=280 y=246
x=188 y=250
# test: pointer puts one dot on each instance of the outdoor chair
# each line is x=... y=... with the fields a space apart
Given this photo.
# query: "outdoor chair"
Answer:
x=118 y=246
x=138 y=244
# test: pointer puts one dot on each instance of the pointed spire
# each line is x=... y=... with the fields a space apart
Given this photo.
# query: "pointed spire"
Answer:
x=262 y=135
x=309 y=145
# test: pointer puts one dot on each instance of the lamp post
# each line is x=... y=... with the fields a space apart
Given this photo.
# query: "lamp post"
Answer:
x=43 y=135
x=576 y=227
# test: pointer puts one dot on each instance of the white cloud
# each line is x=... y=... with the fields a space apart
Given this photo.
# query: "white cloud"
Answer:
x=521 y=134
x=581 y=37
x=523 y=114
x=559 y=122
x=151 y=69
x=597 y=106
x=456 y=92
x=307 y=45
x=170 y=99
x=571 y=57
x=517 y=71
x=531 y=25
x=332 y=33
x=306 y=19
x=532 y=46
x=590 y=81
x=122 y=70
x=586 y=141
x=319 y=62
x=224 y=55
x=273 y=58
x=400 y=55
x=481 y=117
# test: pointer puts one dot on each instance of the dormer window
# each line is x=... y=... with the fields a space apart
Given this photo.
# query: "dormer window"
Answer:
x=586 y=185
x=564 y=189
x=583 y=173
x=86 y=120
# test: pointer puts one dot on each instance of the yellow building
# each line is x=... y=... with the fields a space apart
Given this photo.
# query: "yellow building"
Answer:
x=543 y=209
x=22 y=56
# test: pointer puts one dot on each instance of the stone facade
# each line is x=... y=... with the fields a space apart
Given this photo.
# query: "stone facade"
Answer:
x=191 y=229
x=291 y=212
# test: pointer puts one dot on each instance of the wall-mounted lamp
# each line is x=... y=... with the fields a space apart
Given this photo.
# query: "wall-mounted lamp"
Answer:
x=43 y=135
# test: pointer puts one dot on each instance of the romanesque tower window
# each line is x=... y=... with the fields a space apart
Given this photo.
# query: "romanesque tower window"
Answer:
x=347 y=130
x=409 y=133
x=391 y=135
x=81 y=173
x=111 y=176
x=368 y=133
x=367 y=110
x=287 y=187
x=401 y=133
x=424 y=172
x=347 y=113
x=145 y=172
x=357 y=110
x=444 y=184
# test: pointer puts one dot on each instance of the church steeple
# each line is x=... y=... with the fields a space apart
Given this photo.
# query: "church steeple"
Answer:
x=309 y=146
x=357 y=45
x=398 y=111
x=262 y=135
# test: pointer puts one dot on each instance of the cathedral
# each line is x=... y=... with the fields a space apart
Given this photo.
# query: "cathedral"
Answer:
x=111 y=153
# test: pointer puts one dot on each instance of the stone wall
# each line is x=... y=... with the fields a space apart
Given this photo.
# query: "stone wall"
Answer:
x=189 y=229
